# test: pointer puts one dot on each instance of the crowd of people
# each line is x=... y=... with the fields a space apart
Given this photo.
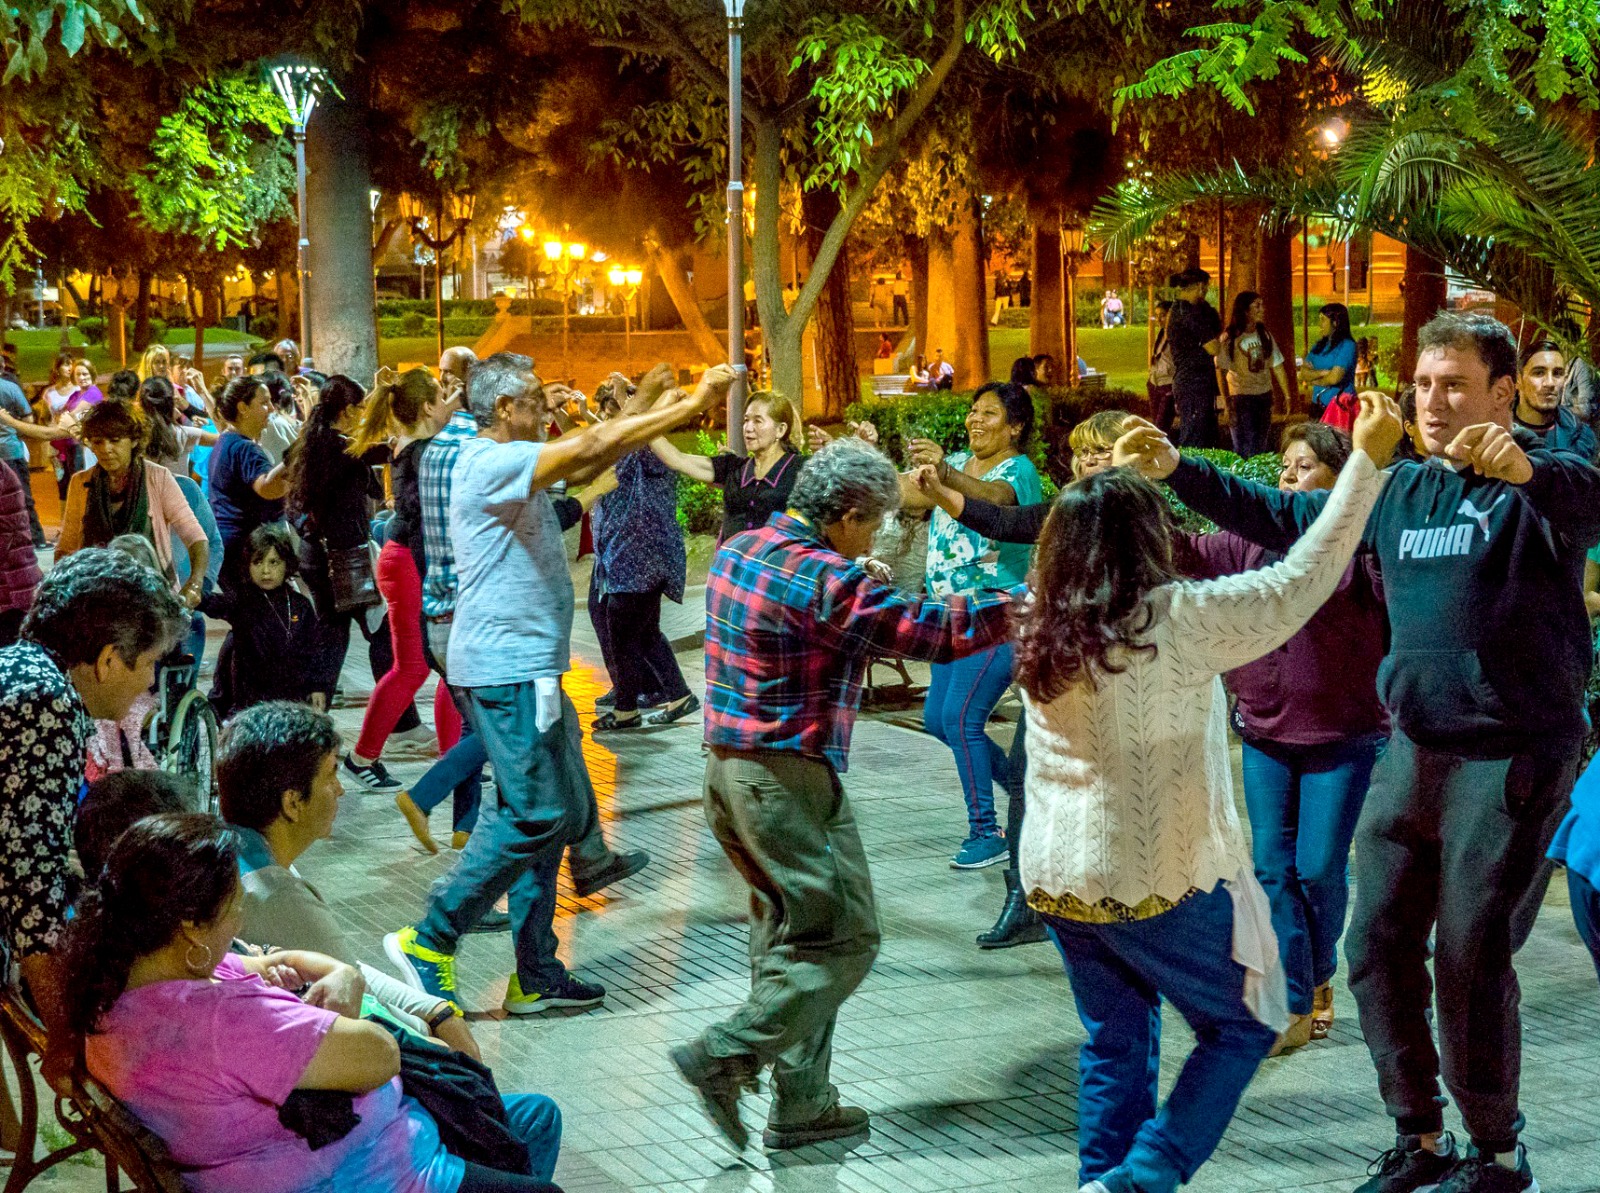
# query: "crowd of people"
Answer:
x=1362 y=627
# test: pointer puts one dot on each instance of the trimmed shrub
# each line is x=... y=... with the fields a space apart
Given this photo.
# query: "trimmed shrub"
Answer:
x=264 y=327
x=414 y=323
x=93 y=329
x=1262 y=469
x=700 y=504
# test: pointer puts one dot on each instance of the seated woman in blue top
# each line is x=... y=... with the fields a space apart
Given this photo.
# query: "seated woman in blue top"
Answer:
x=1577 y=847
x=1330 y=367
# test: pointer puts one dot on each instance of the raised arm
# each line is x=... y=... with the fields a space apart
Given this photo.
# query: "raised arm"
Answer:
x=585 y=454
x=693 y=466
x=1565 y=488
x=1262 y=515
x=862 y=616
x=1221 y=624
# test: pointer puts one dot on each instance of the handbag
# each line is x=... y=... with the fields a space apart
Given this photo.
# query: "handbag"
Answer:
x=350 y=576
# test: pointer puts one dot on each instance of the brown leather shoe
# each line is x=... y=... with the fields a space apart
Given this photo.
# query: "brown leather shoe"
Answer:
x=1296 y=1035
x=719 y=1081
x=1322 y=1012
x=837 y=1122
x=416 y=820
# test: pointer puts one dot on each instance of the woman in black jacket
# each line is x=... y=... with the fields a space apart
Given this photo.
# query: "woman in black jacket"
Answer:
x=331 y=500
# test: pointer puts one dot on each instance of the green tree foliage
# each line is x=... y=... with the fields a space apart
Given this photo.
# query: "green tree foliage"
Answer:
x=29 y=29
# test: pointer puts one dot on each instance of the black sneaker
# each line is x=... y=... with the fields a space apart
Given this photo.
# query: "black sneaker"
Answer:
x=373 y=776
x=1408 y=1167
x=1477 y=1173
x=719 y=1081
x=620 y=866
x=568 y=992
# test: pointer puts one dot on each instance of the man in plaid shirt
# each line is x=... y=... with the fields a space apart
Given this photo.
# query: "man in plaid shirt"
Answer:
x=791 y=623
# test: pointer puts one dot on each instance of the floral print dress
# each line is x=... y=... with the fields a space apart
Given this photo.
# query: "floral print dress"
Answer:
x=962 y=560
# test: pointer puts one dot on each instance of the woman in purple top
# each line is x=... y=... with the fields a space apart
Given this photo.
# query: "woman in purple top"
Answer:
x=205 y=1046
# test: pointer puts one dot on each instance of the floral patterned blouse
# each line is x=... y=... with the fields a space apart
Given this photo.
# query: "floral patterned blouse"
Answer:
x=44 y=732
x=962 y=560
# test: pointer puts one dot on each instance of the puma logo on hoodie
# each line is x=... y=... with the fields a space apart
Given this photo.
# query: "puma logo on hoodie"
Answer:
x=1434 y=541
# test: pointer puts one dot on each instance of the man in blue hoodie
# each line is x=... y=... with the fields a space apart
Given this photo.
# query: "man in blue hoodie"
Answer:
x=1487 y=718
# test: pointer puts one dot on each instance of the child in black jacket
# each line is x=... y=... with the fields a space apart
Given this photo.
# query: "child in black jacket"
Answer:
x=279 y=652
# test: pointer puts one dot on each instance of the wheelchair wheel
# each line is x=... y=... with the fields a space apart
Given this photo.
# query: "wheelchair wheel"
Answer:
x=191 y=748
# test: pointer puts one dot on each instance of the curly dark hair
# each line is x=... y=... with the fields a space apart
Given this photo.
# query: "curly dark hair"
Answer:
x=1017 y=403
x=1105 y=547
x=164 y=872
x=114 y=419
x=97 y=598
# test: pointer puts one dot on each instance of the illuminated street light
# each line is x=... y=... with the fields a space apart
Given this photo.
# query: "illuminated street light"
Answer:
x=298 y=84
x=565 y=258
x=627 y=280
x=453 y=208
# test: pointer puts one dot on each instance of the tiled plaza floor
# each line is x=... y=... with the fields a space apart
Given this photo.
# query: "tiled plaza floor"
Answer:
x=967 y=1060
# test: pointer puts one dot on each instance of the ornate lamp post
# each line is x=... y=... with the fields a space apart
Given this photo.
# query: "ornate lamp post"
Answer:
x=454 y=208
x=735 y=10
x=1072 y=256
x=564 y=258
x=627 y=280
x=298 y=85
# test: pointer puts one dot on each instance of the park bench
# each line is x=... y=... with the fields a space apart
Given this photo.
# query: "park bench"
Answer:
x=887 y=384
x=91 y=1117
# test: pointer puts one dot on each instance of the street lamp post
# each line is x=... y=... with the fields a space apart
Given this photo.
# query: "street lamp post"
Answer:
x=735 y=9
x=565 y=258
x=1072 y=255
x=459 y=216
x=627 y=280
x=298 y=85
x=528 y=237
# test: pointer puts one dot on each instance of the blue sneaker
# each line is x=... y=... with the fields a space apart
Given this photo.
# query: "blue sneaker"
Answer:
x=422 y=968
x=977 y=852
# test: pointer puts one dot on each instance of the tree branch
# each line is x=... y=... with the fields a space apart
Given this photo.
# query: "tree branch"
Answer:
x=883 y=156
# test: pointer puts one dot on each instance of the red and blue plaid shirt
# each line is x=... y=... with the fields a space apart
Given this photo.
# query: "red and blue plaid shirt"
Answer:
x=790 y=627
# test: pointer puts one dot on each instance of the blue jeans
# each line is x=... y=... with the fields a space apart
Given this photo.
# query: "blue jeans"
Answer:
x=521 y=834
x=1304 y=802
x=460 y=771
x=1586 y=912
x=961 y=695
x=1119 y=974
x=536 y=1120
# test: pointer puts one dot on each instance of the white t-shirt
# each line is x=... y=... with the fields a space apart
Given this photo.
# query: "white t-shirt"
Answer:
x=1249 y=370
x=281 y=430
x=513 y=621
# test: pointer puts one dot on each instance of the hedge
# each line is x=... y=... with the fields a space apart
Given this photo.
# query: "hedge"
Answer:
x=1133 y=310
x=479 y=308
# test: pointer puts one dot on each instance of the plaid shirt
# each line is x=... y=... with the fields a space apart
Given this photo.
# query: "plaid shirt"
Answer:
x=433 y=486
x=790 y=627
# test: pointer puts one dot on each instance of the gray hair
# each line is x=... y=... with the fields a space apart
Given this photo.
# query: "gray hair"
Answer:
x=505 y=374
x=846 y=475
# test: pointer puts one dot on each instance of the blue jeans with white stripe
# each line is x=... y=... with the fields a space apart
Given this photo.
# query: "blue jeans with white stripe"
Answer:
x=961 y=695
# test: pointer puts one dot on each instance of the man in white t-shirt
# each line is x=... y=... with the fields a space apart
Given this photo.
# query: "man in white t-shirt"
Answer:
x=510 y=643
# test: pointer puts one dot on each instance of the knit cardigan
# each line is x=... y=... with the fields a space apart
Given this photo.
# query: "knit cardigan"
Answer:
x=169 y=513
x=1129 y=791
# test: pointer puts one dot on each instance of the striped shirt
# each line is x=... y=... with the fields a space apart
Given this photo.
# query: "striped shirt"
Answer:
x=791 y=626
x=433 y=486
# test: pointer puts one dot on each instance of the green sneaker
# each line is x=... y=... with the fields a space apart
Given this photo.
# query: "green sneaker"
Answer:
x=423 y=968
x=567 y=992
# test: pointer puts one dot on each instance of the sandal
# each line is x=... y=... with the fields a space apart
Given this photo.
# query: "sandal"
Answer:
x=1322 y=1012
x=609 y=722
x=689 y=705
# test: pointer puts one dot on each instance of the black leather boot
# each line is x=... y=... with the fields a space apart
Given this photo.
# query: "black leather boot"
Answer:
x=1018 y=923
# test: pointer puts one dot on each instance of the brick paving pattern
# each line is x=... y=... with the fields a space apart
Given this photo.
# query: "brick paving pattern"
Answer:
x=967 y=1060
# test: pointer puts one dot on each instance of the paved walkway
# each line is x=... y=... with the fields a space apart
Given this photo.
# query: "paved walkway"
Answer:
x=967 y=1060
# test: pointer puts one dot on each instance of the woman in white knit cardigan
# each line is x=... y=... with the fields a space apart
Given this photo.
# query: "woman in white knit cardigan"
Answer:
x=1132 y=850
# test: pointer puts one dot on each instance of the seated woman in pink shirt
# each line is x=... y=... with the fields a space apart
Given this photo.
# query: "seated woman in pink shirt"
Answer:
x=205 y=1045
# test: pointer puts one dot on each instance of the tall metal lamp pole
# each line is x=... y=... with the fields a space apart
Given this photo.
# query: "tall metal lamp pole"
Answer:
x=736 y=394
x=298 y=84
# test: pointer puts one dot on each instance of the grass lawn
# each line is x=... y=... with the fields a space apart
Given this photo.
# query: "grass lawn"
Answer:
x=36 y=349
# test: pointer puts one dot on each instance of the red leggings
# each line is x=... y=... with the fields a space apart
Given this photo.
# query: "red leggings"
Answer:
x=401 y=587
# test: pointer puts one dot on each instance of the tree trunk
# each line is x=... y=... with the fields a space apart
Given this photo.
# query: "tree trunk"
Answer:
x=677 y=283
x=1242 y=262
x=917 y=295
x=838 y=371
x=340 y=292
x=971 y=319
x=116 y=315
x=1275 y=281
x=1424 y=287
x=141 y=311
x=1046 y=324
x=941 y=296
